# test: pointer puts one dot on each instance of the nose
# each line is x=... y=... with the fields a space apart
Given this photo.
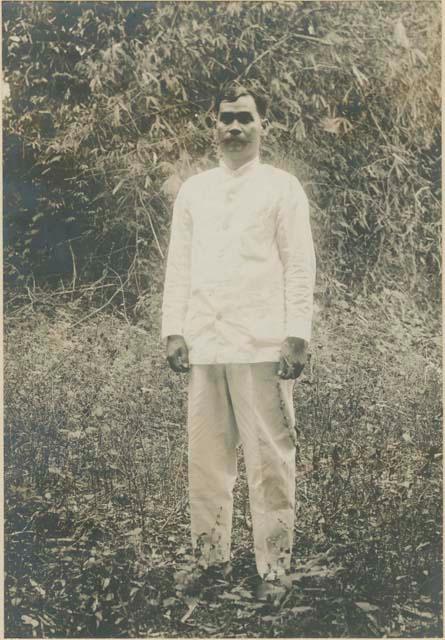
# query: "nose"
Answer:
x=235 y=129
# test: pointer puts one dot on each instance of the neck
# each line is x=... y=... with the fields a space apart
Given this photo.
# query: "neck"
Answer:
x=235 y=164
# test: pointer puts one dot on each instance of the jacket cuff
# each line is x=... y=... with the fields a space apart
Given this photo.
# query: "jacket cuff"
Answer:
x=171 y=329
x=299 y=328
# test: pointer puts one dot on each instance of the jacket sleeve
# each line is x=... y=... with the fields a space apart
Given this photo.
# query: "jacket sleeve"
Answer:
x=177 y=277
x=296 y=249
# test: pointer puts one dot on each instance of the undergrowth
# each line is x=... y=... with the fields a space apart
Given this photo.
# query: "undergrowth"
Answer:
x=97 y=522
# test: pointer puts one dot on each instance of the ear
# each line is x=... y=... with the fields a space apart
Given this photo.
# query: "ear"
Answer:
x=265 y=123
x=211 y=119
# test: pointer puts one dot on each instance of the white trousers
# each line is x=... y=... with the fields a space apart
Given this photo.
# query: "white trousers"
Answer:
x=247 y=403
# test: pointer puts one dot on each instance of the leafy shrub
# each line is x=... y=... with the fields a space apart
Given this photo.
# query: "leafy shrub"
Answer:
x=111 y=107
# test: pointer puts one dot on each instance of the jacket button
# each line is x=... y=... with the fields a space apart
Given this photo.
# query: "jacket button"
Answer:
x=219 y=316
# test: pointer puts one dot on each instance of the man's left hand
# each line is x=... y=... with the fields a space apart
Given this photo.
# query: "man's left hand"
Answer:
x=292 y=358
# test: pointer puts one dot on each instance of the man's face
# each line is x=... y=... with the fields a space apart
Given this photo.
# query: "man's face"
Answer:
x=238 y=130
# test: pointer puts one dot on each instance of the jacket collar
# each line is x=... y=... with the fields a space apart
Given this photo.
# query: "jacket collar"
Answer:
x=244 y=169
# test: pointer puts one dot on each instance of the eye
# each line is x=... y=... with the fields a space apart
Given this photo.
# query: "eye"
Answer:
x=226 y=118
x=244 y=117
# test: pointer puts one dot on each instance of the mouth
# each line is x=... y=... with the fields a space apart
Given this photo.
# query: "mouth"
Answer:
x=234 y=142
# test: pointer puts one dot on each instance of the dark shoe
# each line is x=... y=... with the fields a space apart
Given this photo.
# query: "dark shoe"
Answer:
x=221 y=571
x=193 y=579
x=273 y=590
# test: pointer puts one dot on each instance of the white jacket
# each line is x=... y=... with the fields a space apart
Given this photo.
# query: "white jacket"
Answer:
x=241 y=264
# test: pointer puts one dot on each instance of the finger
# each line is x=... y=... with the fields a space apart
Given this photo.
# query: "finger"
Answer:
x=185 y=362
x=180 y=365
x=175 y=363
x=286 y=373
x=294 y=371
x=298 y=371
x=282 y=368
x=299 y=368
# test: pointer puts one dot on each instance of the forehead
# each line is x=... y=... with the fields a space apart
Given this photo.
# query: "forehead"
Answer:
x=243 y=103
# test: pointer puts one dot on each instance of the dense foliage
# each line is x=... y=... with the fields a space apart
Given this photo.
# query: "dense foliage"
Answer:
x=111 y=106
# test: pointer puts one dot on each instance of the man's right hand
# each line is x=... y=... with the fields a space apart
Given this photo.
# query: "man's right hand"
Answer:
x=178 y=354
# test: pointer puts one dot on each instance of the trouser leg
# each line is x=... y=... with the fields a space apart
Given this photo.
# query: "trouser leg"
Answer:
x=264 y=414
x=213 y=438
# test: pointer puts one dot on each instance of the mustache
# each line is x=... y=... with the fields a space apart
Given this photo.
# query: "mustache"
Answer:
x=229 y=138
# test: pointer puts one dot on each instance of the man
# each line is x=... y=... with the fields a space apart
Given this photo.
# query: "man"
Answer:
x=237 y=313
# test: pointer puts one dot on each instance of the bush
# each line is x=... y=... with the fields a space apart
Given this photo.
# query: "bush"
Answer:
x=111 y=107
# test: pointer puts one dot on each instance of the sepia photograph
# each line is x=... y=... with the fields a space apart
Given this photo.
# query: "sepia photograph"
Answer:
x=222 y=323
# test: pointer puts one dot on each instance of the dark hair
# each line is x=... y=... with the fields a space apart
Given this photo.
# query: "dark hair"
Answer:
x=232 y=91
